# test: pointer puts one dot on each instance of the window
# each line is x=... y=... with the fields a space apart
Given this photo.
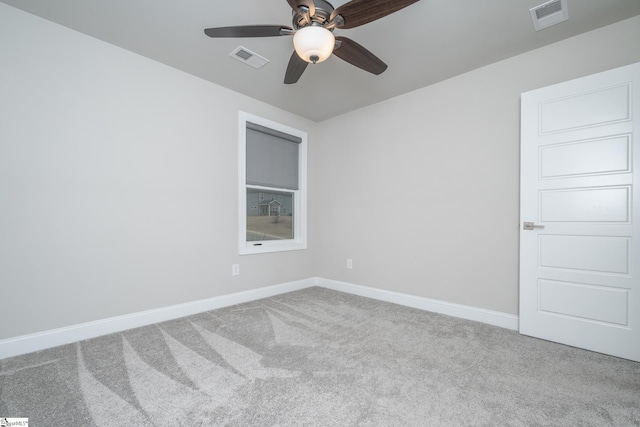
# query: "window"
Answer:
x=272 y=181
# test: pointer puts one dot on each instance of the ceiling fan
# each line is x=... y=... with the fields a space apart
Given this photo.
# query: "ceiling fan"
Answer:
x=313 y=39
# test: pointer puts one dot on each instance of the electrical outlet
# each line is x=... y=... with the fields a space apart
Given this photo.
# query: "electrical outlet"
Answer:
x=235 y=269
x=349 y=263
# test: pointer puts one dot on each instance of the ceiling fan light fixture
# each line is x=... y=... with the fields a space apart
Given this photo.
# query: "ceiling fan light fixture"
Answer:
x=314 y=43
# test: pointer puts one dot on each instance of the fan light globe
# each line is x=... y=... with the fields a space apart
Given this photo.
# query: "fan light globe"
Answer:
x=314 y=43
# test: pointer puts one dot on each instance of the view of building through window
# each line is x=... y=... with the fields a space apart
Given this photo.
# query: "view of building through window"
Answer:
x=269 y=214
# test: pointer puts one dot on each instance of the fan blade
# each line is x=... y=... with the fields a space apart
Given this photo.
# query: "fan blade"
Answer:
x=357 y=55
x=360 y=12
x=295 y=69
x=308 y=3
x=247 y=31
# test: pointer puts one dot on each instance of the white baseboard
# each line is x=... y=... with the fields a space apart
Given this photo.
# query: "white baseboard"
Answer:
x=55 y=337
x=496 y=318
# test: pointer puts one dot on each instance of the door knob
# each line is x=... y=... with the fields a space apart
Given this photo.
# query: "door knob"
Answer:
x=531 y=226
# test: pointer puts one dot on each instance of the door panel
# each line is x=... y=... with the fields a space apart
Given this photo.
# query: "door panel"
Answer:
x=592 y=108
x=599 y=254
x=601 y=303
x=585 y=205
x=610 y=155
x=580 y=186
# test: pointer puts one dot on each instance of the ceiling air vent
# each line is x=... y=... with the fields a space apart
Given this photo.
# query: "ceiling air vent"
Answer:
x=243 y=54
x=550 y=13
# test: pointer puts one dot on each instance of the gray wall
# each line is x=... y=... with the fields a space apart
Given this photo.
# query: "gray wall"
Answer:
x=445 y=159
x=117 y=177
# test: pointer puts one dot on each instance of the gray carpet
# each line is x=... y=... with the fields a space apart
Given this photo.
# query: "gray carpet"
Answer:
x=318 y=357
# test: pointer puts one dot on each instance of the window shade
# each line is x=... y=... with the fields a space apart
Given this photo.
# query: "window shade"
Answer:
x=272 y=157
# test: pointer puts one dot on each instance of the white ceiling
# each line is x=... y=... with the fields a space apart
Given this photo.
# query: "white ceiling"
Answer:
x=427 y=42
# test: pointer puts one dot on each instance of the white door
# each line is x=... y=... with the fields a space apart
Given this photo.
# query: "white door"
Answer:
x=580 y=189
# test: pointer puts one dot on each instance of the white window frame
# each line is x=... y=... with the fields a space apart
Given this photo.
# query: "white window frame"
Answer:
x=299 y=241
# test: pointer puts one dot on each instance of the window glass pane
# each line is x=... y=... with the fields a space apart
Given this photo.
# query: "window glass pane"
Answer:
x=269 y=214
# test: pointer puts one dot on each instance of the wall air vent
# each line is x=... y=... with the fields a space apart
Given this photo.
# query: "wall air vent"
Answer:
x=550 y=13
x=243 y=54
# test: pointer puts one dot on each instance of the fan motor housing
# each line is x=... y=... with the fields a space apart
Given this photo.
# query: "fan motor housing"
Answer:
x=321 y=16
